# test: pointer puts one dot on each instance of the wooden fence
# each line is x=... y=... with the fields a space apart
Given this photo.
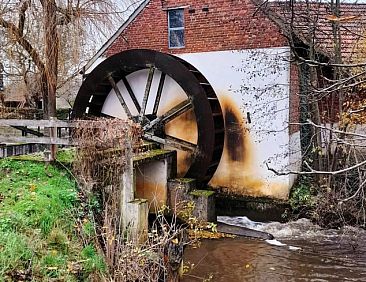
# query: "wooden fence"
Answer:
x=32 y=127
x=36 y=136
x=20 y=149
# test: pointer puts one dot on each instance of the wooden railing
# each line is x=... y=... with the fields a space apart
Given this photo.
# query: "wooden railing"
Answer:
x=51 y=134
x=28 y=126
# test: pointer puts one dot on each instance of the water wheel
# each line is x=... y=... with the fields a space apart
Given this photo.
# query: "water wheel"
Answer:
x=174 y=103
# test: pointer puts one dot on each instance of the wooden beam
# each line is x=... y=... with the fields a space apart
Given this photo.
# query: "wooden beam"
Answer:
x=172 y=142
x=36 y=123
x=147 y=92
x=159 y=92
x=119 y=96
x=170 y=115
x=35 y=140
x=130 y=91
x=28 y=130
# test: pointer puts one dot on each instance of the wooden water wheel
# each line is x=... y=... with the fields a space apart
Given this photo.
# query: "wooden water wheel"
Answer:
x=174 y=103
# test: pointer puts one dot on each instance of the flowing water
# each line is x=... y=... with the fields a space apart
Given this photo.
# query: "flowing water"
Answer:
x=301 y=251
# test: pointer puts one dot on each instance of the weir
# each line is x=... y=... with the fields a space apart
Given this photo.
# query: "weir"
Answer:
x=150 y=185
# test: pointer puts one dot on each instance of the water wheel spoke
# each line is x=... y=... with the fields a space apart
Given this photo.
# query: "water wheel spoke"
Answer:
x=130 y=92
x=178 y=110
x=106 y=116
x=147 y=92
x=172 y=142
x=180 y=144
x=119 y=96
x=170 y=115
x=158 y=94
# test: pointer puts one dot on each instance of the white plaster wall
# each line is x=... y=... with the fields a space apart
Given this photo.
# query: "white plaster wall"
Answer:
x=254 y=82
x=258 y=82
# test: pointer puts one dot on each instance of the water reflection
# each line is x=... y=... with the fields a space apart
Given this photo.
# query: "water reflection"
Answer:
x=309 y=254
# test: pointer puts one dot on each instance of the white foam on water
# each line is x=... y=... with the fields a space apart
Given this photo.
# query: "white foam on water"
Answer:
x=301 y=228
x=275 y=242
x=242 y=221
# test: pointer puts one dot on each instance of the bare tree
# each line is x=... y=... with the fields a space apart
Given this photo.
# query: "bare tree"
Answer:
x=326 y=41
x=45 y=40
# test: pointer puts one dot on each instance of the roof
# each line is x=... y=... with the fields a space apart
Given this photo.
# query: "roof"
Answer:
x=315 y=22
x=116 y=34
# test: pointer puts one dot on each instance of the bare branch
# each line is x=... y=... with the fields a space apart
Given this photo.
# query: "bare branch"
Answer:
x=309 y=122
x=22 y=12
x=356 y=193
x=13 y=30
x=313 y=171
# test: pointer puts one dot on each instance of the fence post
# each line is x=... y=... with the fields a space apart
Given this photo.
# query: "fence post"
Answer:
x=53 y=134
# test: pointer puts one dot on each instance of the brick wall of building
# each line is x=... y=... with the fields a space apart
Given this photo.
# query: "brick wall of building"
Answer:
x=228 y=25
x=294 y=111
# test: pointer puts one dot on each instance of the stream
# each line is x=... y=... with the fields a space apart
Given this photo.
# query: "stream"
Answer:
x=301 y=251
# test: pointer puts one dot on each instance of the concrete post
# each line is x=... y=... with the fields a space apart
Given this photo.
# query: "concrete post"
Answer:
x=182 y=190
x=134 y=212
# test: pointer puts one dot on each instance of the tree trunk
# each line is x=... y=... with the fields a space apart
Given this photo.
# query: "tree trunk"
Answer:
x=51 y=51
x=50 y=74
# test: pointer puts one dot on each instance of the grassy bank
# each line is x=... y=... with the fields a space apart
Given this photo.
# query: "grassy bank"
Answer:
x=41 y=223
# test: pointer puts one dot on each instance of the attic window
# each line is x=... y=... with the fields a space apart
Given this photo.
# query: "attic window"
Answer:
x=176 y=28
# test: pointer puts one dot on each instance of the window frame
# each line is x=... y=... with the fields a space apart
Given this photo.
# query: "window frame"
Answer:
x=176 y=28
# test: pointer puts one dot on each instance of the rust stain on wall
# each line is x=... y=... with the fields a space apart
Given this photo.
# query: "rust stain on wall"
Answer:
x=154 y=192
x=183 y=127
x=238 y=172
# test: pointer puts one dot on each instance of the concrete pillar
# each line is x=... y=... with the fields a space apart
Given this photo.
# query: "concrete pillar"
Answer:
x=183 y=190
x=152 y=171
x=205 y=205
x=134 y=212
x=178 y=192
x=135 y=218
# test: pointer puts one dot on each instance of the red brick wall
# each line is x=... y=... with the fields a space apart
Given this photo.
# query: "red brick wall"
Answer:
x=228 y=25
x=294 y=104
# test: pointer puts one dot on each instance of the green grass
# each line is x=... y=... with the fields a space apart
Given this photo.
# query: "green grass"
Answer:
x=65 y=156
x=38 y=237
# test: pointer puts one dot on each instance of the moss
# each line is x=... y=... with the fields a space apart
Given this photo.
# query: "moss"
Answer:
x=139 y=201
x=185 y=180
x=202 y=193
x=36 y=157
x=150 y=155
x=66 y=156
